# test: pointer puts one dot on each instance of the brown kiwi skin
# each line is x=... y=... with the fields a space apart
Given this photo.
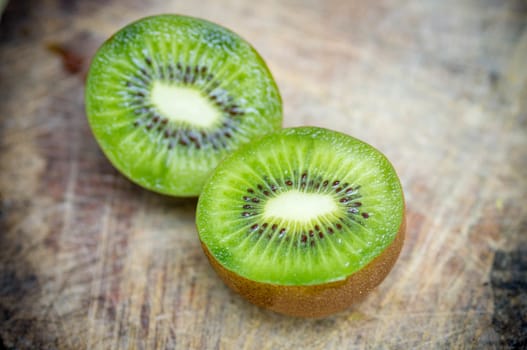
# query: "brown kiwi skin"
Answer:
x=315 y=301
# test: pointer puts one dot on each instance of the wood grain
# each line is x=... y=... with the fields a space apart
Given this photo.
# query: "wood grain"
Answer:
x=90 y=261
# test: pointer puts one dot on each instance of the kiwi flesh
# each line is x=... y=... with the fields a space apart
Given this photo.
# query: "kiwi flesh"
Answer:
x=305 y=221
x=169 y=96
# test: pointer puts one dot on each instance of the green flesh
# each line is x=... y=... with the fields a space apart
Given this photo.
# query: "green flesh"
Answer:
x=273 y=211
x=228 y=97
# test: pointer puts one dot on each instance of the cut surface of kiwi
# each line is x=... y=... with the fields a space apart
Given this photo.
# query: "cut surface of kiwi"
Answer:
x=168 y=96
x=300 y=210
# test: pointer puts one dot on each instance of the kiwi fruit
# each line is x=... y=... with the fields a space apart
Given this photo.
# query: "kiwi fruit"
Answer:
x=169 y=96
x=304 y=221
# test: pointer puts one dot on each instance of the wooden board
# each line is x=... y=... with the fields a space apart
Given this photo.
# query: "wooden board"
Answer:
x=90 y=261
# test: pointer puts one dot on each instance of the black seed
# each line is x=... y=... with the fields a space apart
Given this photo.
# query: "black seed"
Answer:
x=250 y=190
x=330 y=230
x=246 y=214
x=336 y=183
x=149 y=126
x=356 y=204
x=170 y=72
x=136 y=123
x=350 y=190
x=167 y=133
x=312 y=243
x=256 y=200
x=304 y=176
x=155 y=119
x=344 y=200
x=289 y=183
x=321 y=235
x=140 y=80
x=145 y=73
x=353 y=210
x=325 y=183
x=148 y=61
x=274 y=227
x=338 y=226
x=365 y=215
x=273 y=188
x=164 y=121
x=266 y=193
x=282 y=231
x=203 y=69
x=247 y=206
x=311 y=233
x=265 y=224
x=183 y=142
x=139 y=94
x=303 y=238
x=254 y=227
x=178 y=66
x=227 y=134
x=338 y=189
x=345 y=185
x=260 y=187
x=192 y=137
x=317 y=227
x=245 y=198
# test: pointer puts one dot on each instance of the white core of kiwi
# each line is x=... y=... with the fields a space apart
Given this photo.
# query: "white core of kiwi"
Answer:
x=296 y=206
x=184 y=105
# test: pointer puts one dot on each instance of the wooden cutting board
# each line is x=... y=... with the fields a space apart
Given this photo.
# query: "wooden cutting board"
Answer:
x=90 y=261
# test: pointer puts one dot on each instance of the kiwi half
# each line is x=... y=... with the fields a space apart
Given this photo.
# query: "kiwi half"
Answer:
x=167 y=97
x=305 y=221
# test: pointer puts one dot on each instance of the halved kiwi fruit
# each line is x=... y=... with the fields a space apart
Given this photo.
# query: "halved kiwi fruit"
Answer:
x=167 y=97
x=305 y=221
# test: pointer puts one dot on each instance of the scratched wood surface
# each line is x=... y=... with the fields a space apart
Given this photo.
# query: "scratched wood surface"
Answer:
x=90 y=261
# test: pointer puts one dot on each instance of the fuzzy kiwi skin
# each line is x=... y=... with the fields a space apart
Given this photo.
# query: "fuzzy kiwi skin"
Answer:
x=320 y=300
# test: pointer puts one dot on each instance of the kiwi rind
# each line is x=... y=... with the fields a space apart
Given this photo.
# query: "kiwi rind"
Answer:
x=314 y=301
x=178 y=172
x=298 y=299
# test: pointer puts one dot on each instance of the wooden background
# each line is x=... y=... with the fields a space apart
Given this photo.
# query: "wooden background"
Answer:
x=90 y=261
